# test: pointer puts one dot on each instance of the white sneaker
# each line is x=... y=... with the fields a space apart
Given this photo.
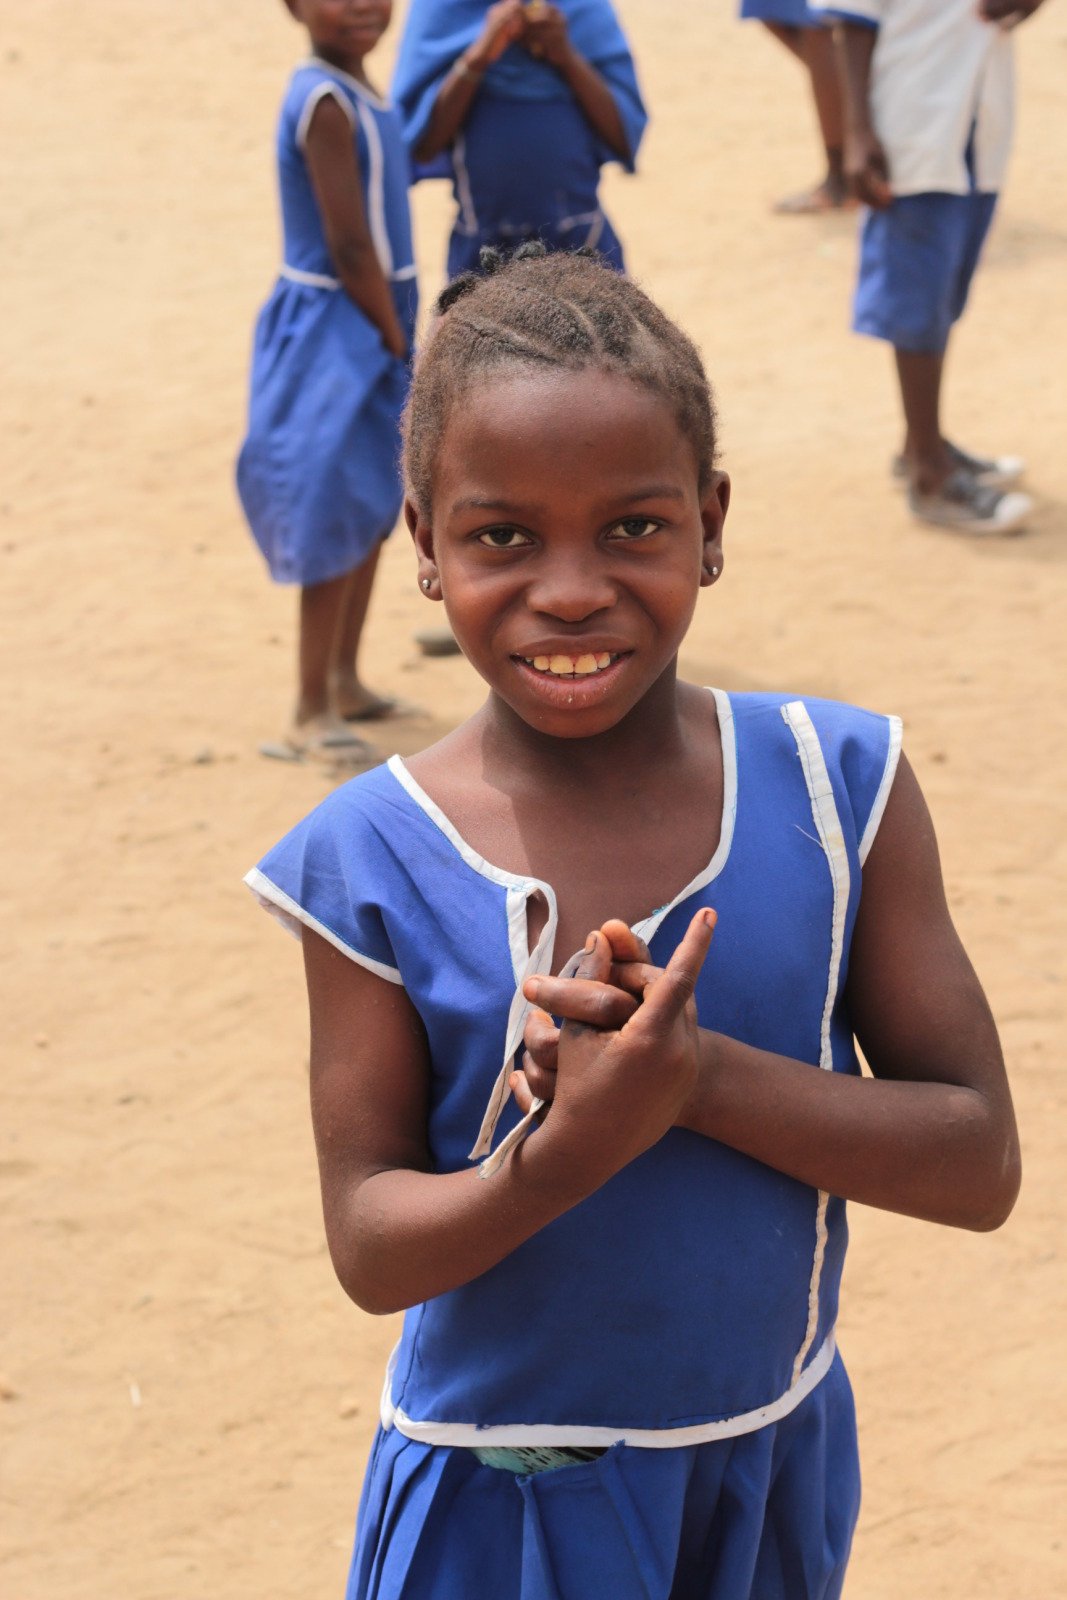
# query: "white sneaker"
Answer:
x=995 y=472
x=967 y=506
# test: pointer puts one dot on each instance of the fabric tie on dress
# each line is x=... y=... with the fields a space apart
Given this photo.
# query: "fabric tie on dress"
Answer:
x=538 y=963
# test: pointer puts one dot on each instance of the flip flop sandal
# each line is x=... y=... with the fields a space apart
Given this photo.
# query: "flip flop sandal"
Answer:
x=382 y=708
x=336 y=747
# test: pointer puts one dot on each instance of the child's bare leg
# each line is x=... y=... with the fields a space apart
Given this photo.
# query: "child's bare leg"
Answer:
x=321 y=611
x=813 y=48
x=349 y=696
x=920 y=373
x=817 y=46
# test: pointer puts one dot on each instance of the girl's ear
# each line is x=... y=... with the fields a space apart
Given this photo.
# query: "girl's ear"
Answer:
x=422 y=538
x=713 y=510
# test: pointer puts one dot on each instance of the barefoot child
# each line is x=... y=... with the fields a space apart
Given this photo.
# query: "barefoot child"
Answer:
x=804 y=34
x=317 y=471
x=521 y=106
x=929 y=96
x=617 y=1374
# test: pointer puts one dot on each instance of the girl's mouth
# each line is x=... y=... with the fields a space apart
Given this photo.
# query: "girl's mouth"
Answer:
x=567 y=666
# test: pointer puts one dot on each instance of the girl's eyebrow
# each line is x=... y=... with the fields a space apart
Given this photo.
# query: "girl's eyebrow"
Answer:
x=650 y=491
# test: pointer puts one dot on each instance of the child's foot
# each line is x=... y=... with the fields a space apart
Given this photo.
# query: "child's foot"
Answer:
x=967 y=506
x=994 y=472
x=832 y=194
x=354 y=702
x=325 y=738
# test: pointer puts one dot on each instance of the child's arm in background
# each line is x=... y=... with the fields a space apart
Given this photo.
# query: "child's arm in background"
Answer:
x=546 y=37
x=866 y=167
x=932 y=1134
x=399 y=1232
x=504 y=23
x=333 y=167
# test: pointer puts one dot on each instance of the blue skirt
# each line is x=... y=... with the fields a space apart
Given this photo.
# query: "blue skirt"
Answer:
x=318 y=473
x=765 y=1516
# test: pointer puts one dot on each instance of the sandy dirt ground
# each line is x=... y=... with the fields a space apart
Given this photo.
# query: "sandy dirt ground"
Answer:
x=187 y=1397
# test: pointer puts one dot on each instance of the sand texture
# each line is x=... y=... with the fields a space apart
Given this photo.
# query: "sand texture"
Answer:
x=186 y=1397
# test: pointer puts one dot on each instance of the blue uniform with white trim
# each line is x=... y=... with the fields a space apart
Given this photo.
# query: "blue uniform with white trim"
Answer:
x=317 y=473
x=526 y=164
x=683 y=1315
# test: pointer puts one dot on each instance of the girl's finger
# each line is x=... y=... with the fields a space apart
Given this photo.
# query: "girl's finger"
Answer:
x=673 y=989
x=519 y=1087
x=541 y=1037
x=625 y=945
x=540 y=1076
x=597 y=1005
x=634 y=976
x=596 y=958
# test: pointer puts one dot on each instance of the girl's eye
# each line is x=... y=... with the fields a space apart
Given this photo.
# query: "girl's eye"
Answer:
x=503 y=538
x=633 y=528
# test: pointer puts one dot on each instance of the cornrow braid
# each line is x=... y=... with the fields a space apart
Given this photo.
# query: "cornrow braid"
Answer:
x=537 y=309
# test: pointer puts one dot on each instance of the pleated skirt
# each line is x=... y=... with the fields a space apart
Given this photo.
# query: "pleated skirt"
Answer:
x=318 y=473
x=767 y=1515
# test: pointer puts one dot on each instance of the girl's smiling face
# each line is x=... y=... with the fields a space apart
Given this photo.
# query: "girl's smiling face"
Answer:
x=343 y=31
x=568 y=537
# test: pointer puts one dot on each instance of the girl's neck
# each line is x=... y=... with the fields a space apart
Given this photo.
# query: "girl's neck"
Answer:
x=351 y=65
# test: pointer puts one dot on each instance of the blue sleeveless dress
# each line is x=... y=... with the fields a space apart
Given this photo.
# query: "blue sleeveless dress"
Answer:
x=526 y=164
x=681 y=1318
x=318 y=473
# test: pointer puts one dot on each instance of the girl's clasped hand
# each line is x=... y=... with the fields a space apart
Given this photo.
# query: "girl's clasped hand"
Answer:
x=621 y=1069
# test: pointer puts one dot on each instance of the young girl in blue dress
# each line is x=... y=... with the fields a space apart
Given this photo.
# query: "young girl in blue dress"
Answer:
x=317 y=473
x=520 y=105
x=617 y=1373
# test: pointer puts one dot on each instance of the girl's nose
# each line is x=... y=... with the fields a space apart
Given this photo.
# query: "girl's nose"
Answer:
x=571 y=589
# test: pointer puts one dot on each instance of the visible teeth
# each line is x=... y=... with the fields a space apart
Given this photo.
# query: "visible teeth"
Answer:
x=570 y=666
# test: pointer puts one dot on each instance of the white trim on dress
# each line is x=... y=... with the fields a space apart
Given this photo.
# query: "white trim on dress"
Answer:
x=291 y=914
x=379 y=232
x=896 y=737
x=832 y=840
x=358 y=89
x=310 y=280
x=516 y=1434
x=321 y=91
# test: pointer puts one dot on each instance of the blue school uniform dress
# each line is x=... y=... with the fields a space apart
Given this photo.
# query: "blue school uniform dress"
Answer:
x=318 y=471
x=681 y=1319
x=526 y=164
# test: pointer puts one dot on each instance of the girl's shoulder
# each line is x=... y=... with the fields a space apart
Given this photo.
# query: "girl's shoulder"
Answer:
x=853 y=751
x=343 y=867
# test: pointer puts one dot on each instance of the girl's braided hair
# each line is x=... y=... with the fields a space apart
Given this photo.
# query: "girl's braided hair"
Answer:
x=549 y=310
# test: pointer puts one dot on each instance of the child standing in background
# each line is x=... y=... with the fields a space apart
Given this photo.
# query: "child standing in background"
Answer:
x=618 y=1373
x=520 y=105
x=929 y=100
x=805 y=36
x=317 y=473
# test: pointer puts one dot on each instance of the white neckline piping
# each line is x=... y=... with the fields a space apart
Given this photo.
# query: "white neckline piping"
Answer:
x=354 y=84
x=645 y=926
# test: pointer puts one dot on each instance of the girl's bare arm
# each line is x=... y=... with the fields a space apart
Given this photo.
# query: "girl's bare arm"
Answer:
x=399 y=1232
x=504 y=23
x=547 y=37
x=334 y=171
x=932 y=1134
